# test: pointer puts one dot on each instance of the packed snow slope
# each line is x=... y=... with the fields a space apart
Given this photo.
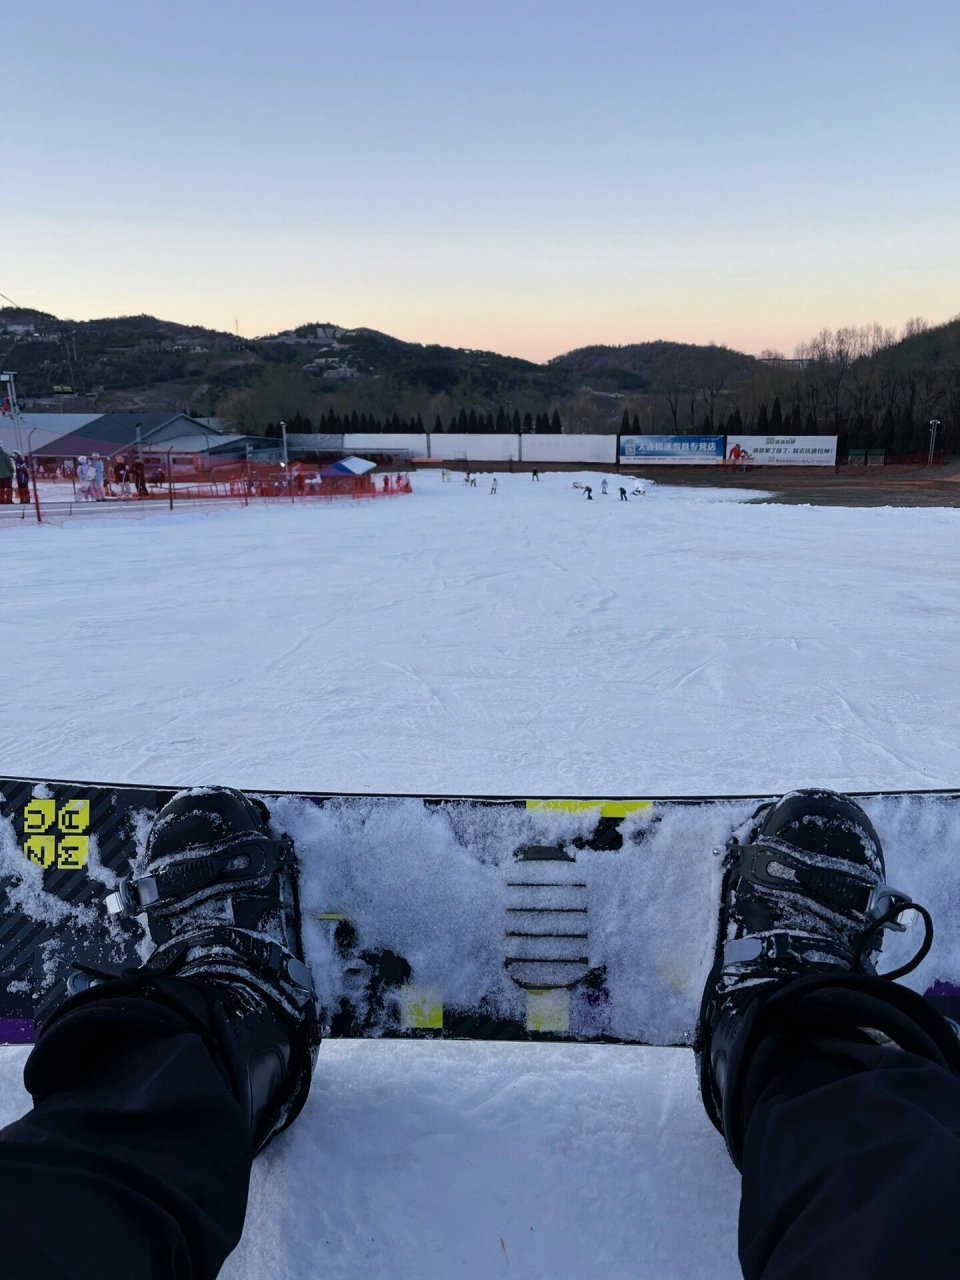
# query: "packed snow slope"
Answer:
x=528 y=641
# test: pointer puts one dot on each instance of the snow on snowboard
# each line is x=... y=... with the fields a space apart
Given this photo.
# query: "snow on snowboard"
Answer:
x=487 y=918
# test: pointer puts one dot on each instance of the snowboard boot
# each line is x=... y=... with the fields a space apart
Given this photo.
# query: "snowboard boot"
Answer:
x=803 y=907
x=220 y=896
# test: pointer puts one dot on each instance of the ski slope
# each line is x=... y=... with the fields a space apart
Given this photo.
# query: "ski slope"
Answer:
x=523 y=642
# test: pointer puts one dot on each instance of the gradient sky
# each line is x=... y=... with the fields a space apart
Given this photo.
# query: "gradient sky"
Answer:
x=526 y=177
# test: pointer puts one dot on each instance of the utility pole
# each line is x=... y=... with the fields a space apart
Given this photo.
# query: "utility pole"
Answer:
x=934 y=424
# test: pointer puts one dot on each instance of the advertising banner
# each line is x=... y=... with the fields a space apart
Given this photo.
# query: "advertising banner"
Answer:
x=699 y=450
x=782 y=451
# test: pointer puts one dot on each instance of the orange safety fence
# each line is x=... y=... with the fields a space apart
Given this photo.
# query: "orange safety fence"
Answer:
x=71 y=485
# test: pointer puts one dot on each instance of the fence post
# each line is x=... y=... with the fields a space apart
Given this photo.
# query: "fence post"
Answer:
x=33 y=476
x=170 y=476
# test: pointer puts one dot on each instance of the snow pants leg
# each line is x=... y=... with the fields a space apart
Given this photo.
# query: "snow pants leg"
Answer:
x=851 y=1167
x=135 y=1159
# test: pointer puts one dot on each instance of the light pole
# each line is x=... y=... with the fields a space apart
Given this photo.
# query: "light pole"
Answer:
x=286 y=460
x=934 y=424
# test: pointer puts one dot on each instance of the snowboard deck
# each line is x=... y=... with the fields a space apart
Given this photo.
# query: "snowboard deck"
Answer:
x=494 y=918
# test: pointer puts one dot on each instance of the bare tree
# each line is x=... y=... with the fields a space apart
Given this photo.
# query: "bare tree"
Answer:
x=672 y=396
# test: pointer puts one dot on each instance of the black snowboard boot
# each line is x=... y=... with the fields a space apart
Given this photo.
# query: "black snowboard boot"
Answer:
x=220 y=896
x=803 y=908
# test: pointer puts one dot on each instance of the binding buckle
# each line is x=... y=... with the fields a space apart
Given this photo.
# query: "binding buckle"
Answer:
x=132 y=895
x=884 y=900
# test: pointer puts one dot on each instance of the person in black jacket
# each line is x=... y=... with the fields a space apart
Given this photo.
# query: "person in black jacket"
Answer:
x=6 y=477
x=22 y=469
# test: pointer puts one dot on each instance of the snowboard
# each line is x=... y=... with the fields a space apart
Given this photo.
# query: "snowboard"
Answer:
x=494 y=918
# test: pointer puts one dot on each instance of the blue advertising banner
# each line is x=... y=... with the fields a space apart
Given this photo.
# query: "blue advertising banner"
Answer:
x=700 y=450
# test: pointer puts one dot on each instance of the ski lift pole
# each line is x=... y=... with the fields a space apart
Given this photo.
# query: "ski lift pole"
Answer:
x=11 y=394
x=33 y=476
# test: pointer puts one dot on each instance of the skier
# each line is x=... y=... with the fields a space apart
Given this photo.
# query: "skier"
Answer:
x=623 y=494
x=603 y=485
x=23 y=478
x=85 y=478
x=535 y=475
x=589 y=492
x=836 y=1091
x=140 y=478
x=153 y=1091
x=121 y=476
x=6 y=477
x=493 y=486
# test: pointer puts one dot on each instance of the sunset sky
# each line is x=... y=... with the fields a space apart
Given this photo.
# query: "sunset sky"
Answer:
x=527 y=177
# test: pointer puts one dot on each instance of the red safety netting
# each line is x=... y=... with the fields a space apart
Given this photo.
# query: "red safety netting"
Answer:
x=52 y=487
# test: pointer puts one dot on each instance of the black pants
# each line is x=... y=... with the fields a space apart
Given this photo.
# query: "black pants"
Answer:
x=134 y=1162
x=851 y=1169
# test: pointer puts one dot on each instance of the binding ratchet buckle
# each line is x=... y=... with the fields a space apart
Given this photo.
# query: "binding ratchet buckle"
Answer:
x=132 y=895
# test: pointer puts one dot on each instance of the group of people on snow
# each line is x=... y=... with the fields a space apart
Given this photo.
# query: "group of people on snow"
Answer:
x=14 y=469
x=638 y=489
x=94 y=480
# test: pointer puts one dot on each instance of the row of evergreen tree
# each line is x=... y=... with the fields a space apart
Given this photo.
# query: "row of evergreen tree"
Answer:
x=465 y=423
x=898 y=433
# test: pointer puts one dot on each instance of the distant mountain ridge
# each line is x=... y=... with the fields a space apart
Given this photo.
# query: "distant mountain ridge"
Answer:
x=137 y=361
x=863 y=384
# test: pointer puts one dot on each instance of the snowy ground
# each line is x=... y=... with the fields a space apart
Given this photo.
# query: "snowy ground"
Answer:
x=525 y=642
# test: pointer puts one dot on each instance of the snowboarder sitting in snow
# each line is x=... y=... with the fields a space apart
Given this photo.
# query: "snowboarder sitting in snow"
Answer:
x=836 y=1091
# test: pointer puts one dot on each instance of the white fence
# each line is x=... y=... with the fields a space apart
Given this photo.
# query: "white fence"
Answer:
x=501 y=447
x=382 y=441
x=570 y=449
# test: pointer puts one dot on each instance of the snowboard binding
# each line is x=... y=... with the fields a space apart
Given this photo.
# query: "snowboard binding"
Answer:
x=221 y=899
x=804 y=904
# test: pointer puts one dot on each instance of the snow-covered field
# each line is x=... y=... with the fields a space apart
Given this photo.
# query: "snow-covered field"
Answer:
x=524 y=642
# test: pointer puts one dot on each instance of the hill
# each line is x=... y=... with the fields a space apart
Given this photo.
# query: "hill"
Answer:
x=660 y=365
x=142 y=362
x=870 y=388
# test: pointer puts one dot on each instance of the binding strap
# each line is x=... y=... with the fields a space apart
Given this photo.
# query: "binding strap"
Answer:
x=773 y=864
x=251 y=859
x=262 y=955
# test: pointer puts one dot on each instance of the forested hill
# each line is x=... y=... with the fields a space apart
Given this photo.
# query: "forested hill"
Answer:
x=869 y=385
x=662 y=364
x=144 y=362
